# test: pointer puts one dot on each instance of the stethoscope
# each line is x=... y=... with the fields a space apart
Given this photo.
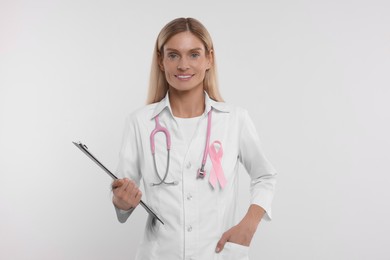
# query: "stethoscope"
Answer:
x=159 y=128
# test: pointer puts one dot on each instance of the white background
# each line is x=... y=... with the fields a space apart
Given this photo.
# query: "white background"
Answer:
x=314 y=76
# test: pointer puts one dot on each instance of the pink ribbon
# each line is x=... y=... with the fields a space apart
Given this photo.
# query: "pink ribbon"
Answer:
x=217 y=171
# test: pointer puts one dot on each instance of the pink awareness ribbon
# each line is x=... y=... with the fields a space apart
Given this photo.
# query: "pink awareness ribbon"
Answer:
x=216 y=171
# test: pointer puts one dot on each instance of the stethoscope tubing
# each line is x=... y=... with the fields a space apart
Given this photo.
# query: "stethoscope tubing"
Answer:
x=162 y=180
x=160 y=128
x=206 y=147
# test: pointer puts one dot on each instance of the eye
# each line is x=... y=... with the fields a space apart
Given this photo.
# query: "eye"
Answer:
x=195 y=55
x=172 y=56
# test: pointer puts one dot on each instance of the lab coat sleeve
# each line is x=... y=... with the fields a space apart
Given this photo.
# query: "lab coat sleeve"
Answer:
x=260 y=170
x=128 y=166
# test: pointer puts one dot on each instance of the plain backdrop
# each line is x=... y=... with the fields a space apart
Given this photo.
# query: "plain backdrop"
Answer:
x=314 y=76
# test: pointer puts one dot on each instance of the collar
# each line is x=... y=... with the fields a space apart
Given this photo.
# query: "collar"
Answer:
x=209 y=104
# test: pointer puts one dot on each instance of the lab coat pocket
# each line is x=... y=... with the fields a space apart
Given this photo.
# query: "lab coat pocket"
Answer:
x=233 y=251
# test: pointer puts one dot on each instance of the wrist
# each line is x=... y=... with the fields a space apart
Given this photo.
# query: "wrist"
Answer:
x=254 y=215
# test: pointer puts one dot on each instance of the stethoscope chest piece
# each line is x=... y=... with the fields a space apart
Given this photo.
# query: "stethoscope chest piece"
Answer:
x=201 y=173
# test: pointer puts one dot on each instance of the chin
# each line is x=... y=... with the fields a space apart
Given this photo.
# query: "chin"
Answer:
x=186 y=88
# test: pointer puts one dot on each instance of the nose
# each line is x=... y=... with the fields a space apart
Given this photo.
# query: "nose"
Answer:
x=183 y=64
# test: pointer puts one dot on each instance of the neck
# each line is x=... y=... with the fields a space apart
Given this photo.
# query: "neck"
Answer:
x=187 y=104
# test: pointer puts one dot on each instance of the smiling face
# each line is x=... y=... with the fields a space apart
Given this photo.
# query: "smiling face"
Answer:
x=185 y=62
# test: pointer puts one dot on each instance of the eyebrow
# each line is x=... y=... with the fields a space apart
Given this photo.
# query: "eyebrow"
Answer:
x=195 y=49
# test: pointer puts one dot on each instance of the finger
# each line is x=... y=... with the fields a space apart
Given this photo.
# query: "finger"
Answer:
x=116 y=184
x=125 y=184
x=221 y=243
x=132 y=190
x=132 y=195
x=138 y=196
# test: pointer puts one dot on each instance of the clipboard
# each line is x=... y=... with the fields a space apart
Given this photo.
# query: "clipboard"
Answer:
x=85 y=150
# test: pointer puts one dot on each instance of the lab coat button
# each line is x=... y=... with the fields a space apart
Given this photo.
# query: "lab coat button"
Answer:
x=189 y=228
x=188 y=165
x=189 y=196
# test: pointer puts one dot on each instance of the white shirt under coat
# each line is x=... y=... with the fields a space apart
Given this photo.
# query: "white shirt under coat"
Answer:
x=195 y=214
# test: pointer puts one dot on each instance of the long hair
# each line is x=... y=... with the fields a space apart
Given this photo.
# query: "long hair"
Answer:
x=158 y=85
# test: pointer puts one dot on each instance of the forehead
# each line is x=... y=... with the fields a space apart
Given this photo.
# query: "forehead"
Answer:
x=184 y=41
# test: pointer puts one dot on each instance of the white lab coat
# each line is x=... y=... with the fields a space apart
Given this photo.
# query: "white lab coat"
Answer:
x=195 y=213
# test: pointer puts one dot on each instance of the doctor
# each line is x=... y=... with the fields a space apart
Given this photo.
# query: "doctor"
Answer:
x=190 y=166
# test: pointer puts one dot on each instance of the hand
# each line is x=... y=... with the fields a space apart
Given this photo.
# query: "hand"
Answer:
x=243 y=232
x=126 y=194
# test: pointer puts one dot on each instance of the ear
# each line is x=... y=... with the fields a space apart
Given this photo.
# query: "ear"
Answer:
x=210 y=59
x=160 y=61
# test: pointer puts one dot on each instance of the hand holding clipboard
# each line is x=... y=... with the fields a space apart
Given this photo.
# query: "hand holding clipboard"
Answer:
x=85 y=150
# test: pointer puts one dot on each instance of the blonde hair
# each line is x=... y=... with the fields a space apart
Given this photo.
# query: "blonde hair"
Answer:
x=158 y=85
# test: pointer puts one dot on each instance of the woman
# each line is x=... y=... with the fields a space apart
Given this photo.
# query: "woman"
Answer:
x=192 y=185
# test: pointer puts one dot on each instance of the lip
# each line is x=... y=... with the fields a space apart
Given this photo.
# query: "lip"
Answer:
x=184 y=77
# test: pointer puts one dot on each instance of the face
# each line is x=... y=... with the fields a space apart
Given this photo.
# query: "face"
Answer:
x=185 y=62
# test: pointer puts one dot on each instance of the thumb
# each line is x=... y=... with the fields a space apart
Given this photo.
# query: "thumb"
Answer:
x=116 y=184
x=221 y=243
